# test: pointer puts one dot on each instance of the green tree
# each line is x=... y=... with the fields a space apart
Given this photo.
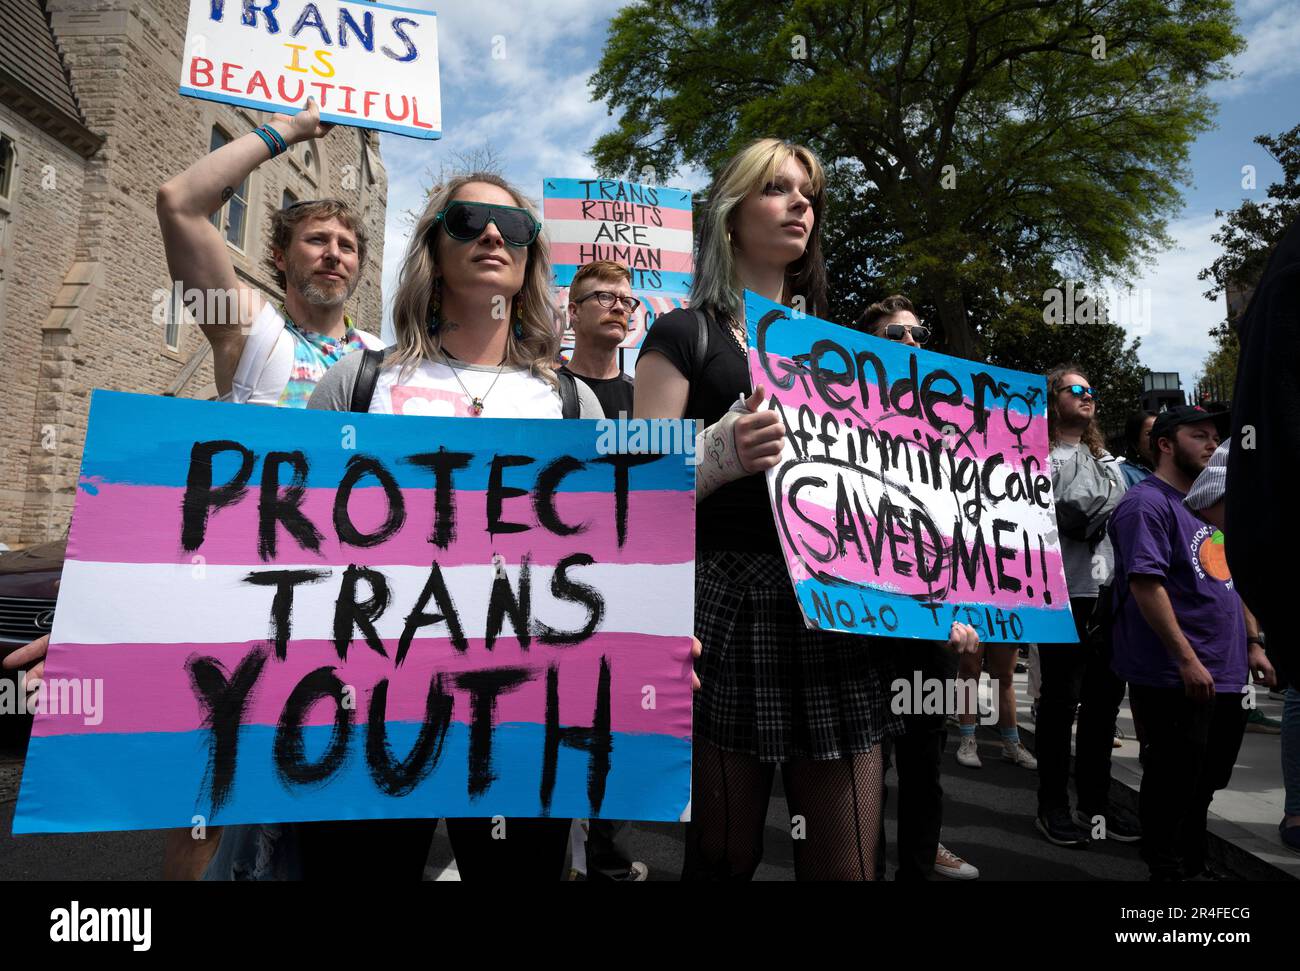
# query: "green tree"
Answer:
x=1248 y=236
x=973 y=146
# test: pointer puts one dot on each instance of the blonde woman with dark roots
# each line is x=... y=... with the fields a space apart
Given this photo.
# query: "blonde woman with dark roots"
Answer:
x=475 y=339
x=774 y=693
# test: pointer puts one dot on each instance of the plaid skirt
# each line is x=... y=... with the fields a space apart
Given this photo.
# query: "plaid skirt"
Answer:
x=772 y=687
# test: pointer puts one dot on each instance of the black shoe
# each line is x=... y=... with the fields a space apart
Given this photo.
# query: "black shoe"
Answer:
x=1120 y=824
x=1060 y=829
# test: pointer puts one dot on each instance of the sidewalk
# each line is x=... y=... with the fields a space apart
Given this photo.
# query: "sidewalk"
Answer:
x=1243 y=817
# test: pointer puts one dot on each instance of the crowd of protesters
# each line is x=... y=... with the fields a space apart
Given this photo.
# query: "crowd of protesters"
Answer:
x=1155 y=608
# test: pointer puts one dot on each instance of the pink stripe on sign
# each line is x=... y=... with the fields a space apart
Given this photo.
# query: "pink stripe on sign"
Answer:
x=165 y=702
x=998 y=437
x=1027 y=570
x=633 y=214
x=575 y=254
x=115 y=511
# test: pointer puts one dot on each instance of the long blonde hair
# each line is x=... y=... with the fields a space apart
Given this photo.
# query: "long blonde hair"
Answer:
x=716 y=287
x=536 y=350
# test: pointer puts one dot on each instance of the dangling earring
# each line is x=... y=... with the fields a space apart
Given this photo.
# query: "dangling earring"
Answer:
x=435 y=306
x=519 y=320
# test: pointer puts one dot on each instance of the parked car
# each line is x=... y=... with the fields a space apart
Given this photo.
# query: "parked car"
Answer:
x=28 y=580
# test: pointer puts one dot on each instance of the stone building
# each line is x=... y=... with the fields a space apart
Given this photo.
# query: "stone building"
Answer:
x=90 y=125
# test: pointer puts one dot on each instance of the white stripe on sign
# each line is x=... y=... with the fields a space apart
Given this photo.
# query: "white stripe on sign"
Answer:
x=161 y=603
x=618 y=234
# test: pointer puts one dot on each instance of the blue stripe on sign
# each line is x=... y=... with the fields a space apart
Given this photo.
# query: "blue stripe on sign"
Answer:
x=609 y=189
x=671 y=283
x=329 y=117
x=791 y=338
x=147 y=440
x=97 y=783
x=899 y=616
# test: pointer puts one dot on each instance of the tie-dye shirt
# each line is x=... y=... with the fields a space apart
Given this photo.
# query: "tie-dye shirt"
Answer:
x=313 y=355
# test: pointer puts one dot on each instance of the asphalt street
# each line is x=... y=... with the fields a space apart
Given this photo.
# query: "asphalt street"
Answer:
x=988 y=819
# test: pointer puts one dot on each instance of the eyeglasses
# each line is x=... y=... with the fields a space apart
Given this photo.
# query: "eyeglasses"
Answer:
x=896 y=332
x=1081 y=391
x=610 y=300
x=466 y=221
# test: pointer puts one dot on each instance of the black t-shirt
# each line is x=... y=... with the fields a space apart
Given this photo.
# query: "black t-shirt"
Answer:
x=614 y=394
x=737 y=516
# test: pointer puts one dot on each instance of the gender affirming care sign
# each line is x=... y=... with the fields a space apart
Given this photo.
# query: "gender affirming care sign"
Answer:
x=321 y=615
x=646 y=228
x=914 y=490
x=368 y=65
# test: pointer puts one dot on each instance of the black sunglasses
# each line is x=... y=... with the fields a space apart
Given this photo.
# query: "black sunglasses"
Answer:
x=1081 y=390
x=896 y=332
x=466 y=221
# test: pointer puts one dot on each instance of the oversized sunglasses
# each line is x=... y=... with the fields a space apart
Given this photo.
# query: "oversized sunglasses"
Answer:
x=1081 y=391
x=466 y=221
x=896 y=332
x=610 y=300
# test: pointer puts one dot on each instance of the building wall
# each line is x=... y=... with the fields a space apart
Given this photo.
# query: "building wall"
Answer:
x=39 y=247
x=124 y=57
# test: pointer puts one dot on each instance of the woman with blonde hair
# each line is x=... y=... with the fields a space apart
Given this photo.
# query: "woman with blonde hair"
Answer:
x=773 y=691
x=475 y=339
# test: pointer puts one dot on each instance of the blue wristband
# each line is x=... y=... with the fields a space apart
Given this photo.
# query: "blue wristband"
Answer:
x=284 y=146
x=270 y=142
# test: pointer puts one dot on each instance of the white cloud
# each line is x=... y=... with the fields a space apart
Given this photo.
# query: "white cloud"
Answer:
x=1272 y=32
x=1175 y=335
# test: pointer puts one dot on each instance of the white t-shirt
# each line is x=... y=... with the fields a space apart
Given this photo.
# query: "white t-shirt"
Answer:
x=266 y=362
x=431 y=388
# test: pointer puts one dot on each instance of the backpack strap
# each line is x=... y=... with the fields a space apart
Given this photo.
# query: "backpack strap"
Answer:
x=367 y=376
x=701 y=342
x=570 y=407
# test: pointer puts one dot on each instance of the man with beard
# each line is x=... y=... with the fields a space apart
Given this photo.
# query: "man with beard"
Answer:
x=264 y=352
x=1180 y=642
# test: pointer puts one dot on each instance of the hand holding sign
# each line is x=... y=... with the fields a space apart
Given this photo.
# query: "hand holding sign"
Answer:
x=303 y=126
x=760 y=436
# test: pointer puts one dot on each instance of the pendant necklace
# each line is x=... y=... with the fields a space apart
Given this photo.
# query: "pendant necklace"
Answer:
x=475 y=402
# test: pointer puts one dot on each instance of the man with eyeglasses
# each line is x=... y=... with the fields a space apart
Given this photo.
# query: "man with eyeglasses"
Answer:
x=601 y=306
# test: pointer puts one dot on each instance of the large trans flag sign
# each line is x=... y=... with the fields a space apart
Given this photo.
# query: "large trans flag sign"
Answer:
x=915 y=488
x=318 y=615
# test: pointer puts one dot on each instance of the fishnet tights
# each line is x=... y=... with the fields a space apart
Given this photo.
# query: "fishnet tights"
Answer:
x=835 y=808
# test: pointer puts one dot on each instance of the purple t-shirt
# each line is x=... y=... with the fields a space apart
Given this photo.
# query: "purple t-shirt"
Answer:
x=1154 y=534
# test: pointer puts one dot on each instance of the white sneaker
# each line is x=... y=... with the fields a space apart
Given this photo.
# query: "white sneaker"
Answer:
x=968 y=753
x=1018 y=754
x=949 y=864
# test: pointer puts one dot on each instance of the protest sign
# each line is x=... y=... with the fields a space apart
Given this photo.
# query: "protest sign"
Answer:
x=646 y=228
x=914 y=489
x=368 y=65
x=318 y=615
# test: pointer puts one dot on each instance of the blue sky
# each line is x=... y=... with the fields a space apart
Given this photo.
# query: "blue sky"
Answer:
x=531 y=105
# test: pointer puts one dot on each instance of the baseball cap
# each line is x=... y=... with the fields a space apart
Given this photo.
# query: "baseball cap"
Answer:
x=1167 y=421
